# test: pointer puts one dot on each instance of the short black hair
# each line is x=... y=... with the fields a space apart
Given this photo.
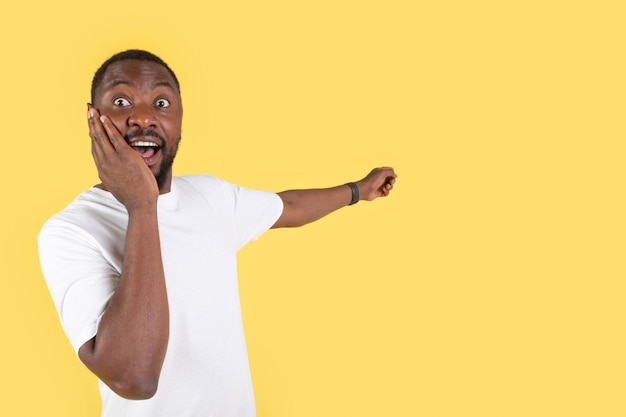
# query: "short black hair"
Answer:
x=137 y=54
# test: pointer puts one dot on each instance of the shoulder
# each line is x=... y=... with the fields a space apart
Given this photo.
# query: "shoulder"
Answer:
x=86 y=214
x=202 y=184
x=200 y=180
x=220 y=192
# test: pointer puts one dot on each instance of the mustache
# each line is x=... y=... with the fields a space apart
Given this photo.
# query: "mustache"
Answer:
x=144 y=132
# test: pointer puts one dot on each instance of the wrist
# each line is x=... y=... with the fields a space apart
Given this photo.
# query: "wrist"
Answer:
x=143 y=208
x=355 y=193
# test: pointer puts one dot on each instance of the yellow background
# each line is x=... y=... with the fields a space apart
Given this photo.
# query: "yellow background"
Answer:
x=491 y=283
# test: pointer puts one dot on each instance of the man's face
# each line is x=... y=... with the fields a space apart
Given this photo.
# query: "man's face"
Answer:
x=142 y=101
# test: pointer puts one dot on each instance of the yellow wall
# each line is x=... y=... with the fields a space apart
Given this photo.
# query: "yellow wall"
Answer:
x=490 y=284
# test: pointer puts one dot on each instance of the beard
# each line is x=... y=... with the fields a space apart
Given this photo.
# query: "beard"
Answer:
x=164 y=170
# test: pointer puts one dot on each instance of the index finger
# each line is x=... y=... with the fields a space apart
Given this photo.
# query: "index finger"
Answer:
x=100 y=142
x=114 y=135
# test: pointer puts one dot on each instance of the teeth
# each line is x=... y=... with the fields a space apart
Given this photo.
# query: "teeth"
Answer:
x=142 y=143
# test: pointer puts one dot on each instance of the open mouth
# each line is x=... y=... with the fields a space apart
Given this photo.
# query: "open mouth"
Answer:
x=145 y=149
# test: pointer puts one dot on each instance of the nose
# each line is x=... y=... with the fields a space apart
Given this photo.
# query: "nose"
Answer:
x=143 y=116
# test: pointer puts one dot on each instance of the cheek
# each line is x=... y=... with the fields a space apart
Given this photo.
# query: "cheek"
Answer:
x=172 y=128
x=118 y=120
x=120 y=124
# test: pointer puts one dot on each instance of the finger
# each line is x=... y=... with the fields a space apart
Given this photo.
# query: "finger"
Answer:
x=97 y=132
x=96 y=149
x=386 y=188
x=92 y=116
x=389 y=172
x=98 y=153
x=115 y=137
x=96 y=138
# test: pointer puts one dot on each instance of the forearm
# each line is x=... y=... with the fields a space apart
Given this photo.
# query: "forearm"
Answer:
x=128 y=350
x=306 y=206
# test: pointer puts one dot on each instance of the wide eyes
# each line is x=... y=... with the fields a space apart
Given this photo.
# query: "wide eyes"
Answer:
x=123 y=102
x=163 y=103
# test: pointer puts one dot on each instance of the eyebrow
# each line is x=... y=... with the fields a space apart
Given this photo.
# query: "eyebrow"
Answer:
x=115 y=83
x=164 y=84
x=167 y=84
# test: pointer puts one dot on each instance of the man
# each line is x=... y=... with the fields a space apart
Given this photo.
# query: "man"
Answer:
x=142 y=267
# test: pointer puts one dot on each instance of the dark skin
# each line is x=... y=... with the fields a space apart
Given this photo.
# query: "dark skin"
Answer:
x=138 y=103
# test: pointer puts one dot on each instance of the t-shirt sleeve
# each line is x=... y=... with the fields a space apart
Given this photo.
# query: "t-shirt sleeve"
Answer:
x=255 y=212
x=79 y=278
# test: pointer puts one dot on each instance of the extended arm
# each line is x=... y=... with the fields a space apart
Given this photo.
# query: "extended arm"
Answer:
x=128 y=351
x=306 y=206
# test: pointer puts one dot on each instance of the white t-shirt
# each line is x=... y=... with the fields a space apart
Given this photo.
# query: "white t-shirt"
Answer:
x=203 y=222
